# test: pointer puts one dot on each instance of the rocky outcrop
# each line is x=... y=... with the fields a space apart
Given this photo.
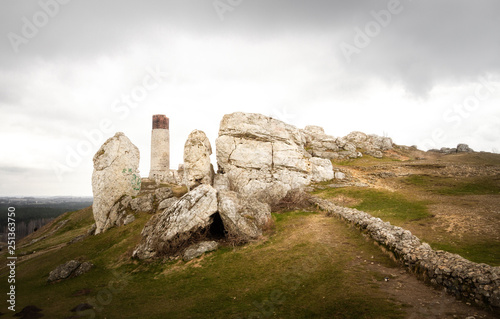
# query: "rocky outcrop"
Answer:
x=464 y=148
x=461 y=148
x=170 y=230
x=479 y=283
x=199 y=249
x=353 y=145
x=243 y=218
x=72 y=268
x=262 y=157
x=144 y=203
x=115 y=175
x=372 y=145
x=197 y=167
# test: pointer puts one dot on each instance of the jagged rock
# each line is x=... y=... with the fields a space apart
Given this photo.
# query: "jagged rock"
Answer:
x=163 y=193
x=372 y=145
x=168 y=231
x=197 y=167
x=129 y=219
x=143 y=203
x=199 y=249
x=325 y=146
x=464 y=148
x=315 y=130
x=115 y=174
x=243 y=218
x=167 y=203
x=261 y=156
x=72 y=268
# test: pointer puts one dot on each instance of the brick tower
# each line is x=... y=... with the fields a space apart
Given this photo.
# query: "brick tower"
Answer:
x=160 y=147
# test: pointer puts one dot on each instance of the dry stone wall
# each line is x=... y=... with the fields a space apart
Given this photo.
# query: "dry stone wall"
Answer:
x=478 y=283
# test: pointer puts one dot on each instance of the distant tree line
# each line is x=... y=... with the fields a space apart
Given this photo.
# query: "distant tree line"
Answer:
x=32 y=217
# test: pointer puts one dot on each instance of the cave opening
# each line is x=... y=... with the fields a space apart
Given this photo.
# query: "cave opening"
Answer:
x=217 y=230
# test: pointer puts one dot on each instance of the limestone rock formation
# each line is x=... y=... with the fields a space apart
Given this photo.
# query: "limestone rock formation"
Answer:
x=325 y=146
x=163 y=193
x=115 y=174
x=72 y=268
x=372 y=145
x=262 y=157
x=171 y=229
x=243 y=218
x=199 y=249
x=167 y=203
x=197 y=167
x=143 y=203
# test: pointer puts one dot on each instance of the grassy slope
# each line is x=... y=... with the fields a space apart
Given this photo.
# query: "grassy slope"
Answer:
x=405 y=207
x=296 y=273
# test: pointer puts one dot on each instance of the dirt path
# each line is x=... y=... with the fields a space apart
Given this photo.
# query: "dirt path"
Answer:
x=418 y=299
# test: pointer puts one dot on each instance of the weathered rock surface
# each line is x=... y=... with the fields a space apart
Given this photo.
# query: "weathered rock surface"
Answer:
x=325 y=146
x=163 y=193
x=243 y=218
x=262 y=157
x=197 y=167
x=167 y=203
x=199 y=249
x=115 y=174
x=72 y=268
x=143 y=203
x=171 y=229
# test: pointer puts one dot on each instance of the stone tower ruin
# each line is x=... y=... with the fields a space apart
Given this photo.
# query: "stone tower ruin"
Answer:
x=160 y=147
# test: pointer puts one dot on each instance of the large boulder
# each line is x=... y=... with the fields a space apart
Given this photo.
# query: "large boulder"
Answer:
x=243 y=218
x=115 y=174
x=197 y=167
x=262 y=157
x=72 y=268
x=171 y=230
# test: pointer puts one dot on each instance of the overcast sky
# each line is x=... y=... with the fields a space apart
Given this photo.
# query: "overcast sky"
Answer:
x=72 y=73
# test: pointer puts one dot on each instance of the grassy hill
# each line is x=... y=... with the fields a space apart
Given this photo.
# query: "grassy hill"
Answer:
x=308 y=266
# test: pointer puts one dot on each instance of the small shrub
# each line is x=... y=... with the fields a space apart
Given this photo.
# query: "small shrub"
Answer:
x=295 y=199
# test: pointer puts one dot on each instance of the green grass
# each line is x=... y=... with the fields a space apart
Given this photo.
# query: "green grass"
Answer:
x=389 y=206
x=450 y=186
x=366 y=160
x=479 y=251
x=287 y=276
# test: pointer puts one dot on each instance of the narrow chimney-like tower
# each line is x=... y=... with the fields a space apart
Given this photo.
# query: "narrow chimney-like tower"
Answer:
x=160 y=146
